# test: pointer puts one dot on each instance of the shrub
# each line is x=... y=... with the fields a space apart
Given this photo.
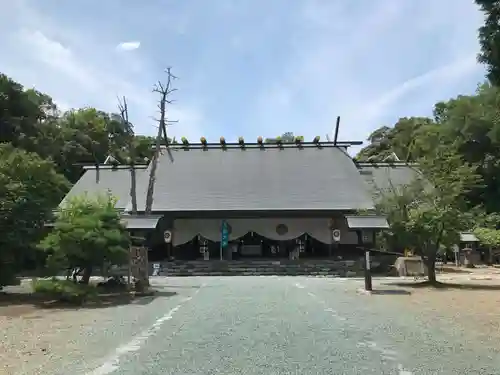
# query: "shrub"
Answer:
x=87 y=231
x=64 y=290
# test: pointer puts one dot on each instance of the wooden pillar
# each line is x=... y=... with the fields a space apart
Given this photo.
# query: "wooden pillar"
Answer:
x=330 y=245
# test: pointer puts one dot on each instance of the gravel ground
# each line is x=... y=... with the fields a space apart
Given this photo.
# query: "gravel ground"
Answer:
x=48 y=341
x=475 y=310
x=261 y=325
x=38 y=340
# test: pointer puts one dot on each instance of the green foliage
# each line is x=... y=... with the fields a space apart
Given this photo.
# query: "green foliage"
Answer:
x=64 y=290
x=29 y=189
x=87 y=233
x=287 y=137
x=467 y=126
x=488 y=236
x=488 y=230
x=489 y=38
x=430 y=213
x=31 y=121
x=399 y=140
x=24 y=114
x=38 y=146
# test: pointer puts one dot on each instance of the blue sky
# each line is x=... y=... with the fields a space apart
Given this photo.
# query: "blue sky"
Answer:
x=247 y=67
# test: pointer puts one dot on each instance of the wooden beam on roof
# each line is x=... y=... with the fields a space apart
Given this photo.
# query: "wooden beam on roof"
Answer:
x=107 y=167
x=194 y=146
x=336 y=135
x=377 y=164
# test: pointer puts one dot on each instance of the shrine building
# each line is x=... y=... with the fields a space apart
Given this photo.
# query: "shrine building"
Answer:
x=259 y=200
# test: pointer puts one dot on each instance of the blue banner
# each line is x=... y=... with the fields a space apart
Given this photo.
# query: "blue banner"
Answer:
x=224 y=234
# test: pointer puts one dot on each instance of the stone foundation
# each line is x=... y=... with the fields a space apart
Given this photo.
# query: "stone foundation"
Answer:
x=332 y=268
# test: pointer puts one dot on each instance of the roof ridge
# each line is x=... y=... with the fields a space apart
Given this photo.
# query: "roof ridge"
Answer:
x=259 y=146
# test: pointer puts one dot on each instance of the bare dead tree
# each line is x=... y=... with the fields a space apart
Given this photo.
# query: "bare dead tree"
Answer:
x=165 y=90
x=131 y=153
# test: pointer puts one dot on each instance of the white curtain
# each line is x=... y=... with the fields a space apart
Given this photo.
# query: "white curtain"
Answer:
x=186 y=229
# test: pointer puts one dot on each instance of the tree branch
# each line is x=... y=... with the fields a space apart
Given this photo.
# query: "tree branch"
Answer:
x=164 y=90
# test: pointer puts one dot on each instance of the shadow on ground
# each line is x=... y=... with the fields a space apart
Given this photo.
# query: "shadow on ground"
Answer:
x=391 y=292
x=448 y=269
x=180 y=286
x=445 y=286
x=11 y=301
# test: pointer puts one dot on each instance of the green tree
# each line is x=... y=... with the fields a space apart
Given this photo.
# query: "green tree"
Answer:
x=23 y=113
x=488 y=233
x=431 y=213
x=287 y=137
x=29 y=189
x=489 y=237
x=87 y=233
x=489 y=39
x=400 y=140
x=88 y=136
x=468 y=126
x=30 y=120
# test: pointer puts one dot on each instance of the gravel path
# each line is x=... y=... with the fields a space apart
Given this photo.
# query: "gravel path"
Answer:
x=252 y=325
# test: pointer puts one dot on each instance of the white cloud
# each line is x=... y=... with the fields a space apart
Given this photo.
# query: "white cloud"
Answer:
x=56 y=56
x=376 y=62
x=439 y=76
x=128 y=46
x=77 y=68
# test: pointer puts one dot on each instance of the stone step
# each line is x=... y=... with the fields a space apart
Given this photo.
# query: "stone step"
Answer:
x=319 y=268
x=243 y=272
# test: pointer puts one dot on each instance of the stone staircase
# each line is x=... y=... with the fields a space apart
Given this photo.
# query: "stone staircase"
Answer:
x=331 y=268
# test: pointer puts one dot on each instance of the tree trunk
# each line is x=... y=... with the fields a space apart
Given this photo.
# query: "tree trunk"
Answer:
x=150 y=193
x=431 y=258
x=430 y=263
x=87 y=272
x=152 y=174
x=133 y=188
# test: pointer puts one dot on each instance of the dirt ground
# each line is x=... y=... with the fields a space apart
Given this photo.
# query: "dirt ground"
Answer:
x=470 y=302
